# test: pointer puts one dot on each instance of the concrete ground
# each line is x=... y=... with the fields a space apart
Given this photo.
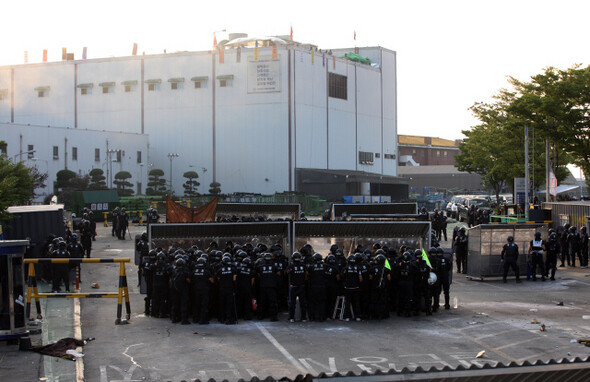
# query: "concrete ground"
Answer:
x=486 y=315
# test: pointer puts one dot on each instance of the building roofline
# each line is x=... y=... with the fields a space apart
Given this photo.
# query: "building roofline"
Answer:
x=70 y=128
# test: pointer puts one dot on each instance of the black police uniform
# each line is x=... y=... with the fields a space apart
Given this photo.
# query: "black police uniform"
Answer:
x=160 y=288
x=379 y=277
x=553 y=250
x=351 y=285
x=268 y=275
x=227 y=304
x=296 y=272
x=537 y=258
x=510 y=257
x=443 y=266
x=201 y=279
x=244 y=291
x=61 y=272
x=179 y=295
x=318 y=283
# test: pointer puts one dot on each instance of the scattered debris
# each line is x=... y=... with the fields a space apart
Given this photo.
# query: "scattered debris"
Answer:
x=195 y=332
x=534 y=310
x=535 y=321
x=585 y=317
x=480 y=354
x=480 y=315
x=560 y=303
x=543 y=328
x=94 y=286
x=573 y=341
x=474 y=323
x=584 y=341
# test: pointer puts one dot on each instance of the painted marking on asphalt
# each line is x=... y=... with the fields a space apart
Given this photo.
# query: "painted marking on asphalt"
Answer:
x=499 y=287
x=480 y=343
x=518 y=343
x=280 y=348
x=130 y=357
x=497 y=334
x=78 y=334
x=477 y=326
x=331 y=366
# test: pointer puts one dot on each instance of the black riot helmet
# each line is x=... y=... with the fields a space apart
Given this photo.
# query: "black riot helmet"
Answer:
x=153 y=253
x=267 y=257
x=201 y=262
x=510 y=239
x=407 y=256
x=317 y=258
x=553 y=236
x=74 y=237
x=380 y=259
x=379 y=252
x=180 y=263
x=226 y=260
x=296 y=257
x=537 y=235
x=144 y=236
x=351 y=259
x=161 y=256
x=247 y=261
x=333 y=248
x=331 y=259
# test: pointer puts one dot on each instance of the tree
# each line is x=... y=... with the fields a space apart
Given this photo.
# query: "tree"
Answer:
x=97 y=179
x=215 y=188
x=39 y=179
x=64 y=179
x=16 y=186
x=557 y=104
x=156 y=183
x=124 y=187
x=191 y=185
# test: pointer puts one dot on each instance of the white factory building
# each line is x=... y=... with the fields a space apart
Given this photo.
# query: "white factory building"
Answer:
x=257 y=115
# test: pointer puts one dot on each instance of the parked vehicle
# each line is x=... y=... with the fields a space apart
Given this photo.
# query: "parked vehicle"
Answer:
x=455 y=200
x=479 y=203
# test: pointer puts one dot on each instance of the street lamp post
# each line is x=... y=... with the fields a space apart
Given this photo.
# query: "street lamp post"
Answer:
x=110 y=152
x=21 y=154
x=172 y=156
x=140 y=177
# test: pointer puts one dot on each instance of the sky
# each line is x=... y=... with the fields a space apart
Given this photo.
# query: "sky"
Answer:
x=450 y=54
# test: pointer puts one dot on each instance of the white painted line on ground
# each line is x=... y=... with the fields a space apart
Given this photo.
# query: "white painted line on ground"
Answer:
x=518 y=343
x=497 y=334
x=280 y=348
x=78 y=335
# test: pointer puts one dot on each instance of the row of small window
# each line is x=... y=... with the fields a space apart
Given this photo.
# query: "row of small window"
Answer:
x=366 y=157
x=118 y=157
x=439 y=153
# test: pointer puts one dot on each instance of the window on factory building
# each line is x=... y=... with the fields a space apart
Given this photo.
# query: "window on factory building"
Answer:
x=445 y=154
x=365 y=157
x=338 y=86
x=42 y=91
x=153 y=87
x=129 y=86
x=97 y=155
x=176 y=85
x=85 y=89
x=74 y=153
x=200 y=82
x=438 y=153
x=226 y=80
x=139 y=157
x=107 y=87
x=55 y=152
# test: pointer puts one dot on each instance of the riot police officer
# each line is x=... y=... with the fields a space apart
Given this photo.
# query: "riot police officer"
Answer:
x=536 y=247
x=573 y=240
x=351 y=283
x=226 y=276
x=268 y=275
x=553 y=249
x=161 y=273
x=143 y=247
x=583 y=247
x=201 y=280
x=443 y=266
x=317 y=288
x=146 y=269
x=510 y=258
x=245 y=288
x=407 y=273
x=297 y=280
x=461 y=251
x=180 y=282
x=86 y=235
x=380 y=277
x=61 y=271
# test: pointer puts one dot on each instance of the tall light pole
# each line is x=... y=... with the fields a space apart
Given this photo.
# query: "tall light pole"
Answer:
x=21 y=155
x=172 y=156
x=110 y=152
x=140 y=177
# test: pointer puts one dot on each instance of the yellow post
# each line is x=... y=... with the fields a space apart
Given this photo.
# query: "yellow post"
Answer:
x=105 y=214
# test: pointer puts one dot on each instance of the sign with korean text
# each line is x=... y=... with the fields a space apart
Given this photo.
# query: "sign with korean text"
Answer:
x=264 y=75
